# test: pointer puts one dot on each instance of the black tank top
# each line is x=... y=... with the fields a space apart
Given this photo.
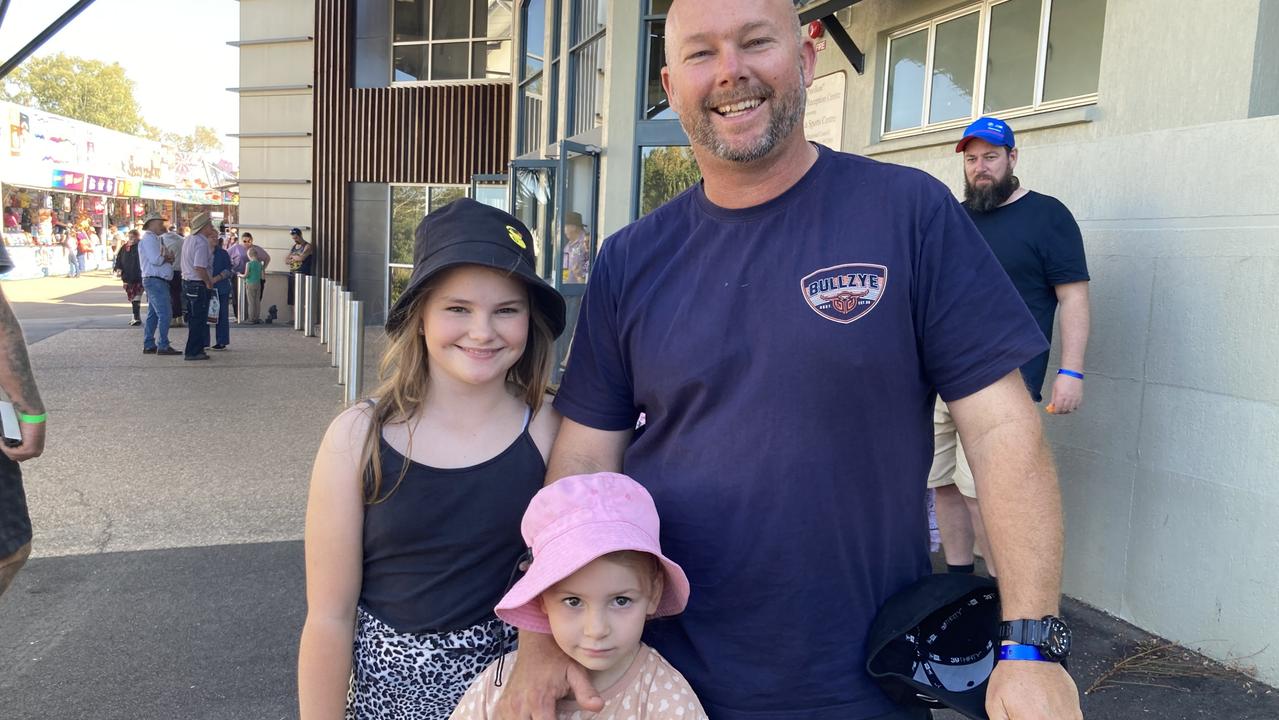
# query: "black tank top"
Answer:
x=438 y=553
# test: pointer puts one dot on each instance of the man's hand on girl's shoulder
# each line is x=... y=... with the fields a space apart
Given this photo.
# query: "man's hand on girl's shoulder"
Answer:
x=542 y=675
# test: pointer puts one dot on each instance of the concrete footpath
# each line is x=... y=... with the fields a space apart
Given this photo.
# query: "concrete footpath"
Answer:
x=167 y=578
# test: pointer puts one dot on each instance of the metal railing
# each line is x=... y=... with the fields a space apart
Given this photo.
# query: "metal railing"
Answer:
x=341 y=329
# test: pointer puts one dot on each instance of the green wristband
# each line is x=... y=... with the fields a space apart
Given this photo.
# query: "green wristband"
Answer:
x=33 y=419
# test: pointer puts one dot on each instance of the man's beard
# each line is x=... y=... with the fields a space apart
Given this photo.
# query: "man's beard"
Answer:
x=985 y=199
x=785 y=115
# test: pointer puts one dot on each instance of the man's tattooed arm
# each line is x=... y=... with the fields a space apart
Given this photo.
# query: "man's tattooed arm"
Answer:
x=15 y=366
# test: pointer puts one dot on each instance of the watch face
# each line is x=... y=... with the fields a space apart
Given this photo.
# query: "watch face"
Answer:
x=1057 y=642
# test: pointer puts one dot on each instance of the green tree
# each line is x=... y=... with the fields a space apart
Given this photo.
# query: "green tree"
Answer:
x=665 y=172
x=87 y=90
x=202 y=140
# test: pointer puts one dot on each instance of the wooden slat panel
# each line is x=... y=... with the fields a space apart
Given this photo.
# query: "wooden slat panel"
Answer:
x=418 y=134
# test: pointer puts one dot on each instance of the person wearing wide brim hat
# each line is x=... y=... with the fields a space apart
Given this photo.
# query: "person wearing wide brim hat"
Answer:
x=597 y=575
x=453 y=441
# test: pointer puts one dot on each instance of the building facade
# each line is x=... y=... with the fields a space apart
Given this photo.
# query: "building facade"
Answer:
x=359 y=116
x=1170 y=165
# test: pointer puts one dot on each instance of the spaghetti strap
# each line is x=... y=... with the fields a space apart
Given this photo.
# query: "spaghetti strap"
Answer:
x=528 y=415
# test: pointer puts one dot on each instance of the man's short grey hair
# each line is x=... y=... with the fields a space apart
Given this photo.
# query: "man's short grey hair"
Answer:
x=799 y=31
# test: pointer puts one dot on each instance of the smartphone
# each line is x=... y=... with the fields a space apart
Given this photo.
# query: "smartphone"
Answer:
x=9 y=427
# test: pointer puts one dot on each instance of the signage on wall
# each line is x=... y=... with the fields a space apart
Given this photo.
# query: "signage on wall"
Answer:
x=67 y=180
x=824 y=116
x=100 y=185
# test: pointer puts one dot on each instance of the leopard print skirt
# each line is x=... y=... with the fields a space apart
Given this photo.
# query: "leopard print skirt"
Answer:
x=412 y=676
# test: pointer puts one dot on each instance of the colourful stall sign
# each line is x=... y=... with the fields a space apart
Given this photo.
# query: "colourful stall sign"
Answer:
x=100 y=185
x=128 y=188
x=67 y=180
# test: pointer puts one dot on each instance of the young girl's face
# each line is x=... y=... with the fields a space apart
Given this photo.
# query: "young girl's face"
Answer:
x=475 y=325
x=597 y=615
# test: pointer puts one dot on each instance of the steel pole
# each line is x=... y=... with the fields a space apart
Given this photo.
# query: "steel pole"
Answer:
x=297 y=300
x=335 y=342
x=308 y=317
x=344 y=312
x=241 y=301
x=324 y=310
x=354 y=352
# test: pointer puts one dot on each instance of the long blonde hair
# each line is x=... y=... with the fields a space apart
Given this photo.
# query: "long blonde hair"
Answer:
x=403 y=376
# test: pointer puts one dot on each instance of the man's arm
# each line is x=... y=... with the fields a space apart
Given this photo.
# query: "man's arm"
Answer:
x=543 y=673
x=1068 y=392
x=1021 y=508
x=20 y=385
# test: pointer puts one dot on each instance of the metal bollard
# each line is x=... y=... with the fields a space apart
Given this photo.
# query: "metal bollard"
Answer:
x=335 y=341
x=297 y=300
x=344 y=312
x=324 y=310
x=241 y=302
x=308 y=315
x=354 y=351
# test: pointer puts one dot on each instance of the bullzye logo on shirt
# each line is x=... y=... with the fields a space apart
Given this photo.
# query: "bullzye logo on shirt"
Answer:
x=845 y=293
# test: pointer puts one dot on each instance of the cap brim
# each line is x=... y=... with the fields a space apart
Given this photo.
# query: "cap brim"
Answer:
x=574 y=550
x=485 y=254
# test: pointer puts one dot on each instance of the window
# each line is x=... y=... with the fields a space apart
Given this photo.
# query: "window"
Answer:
x=409 y=204
x=531 y=99
x=443 y=40
x=656 y=105
x=664 y=173
x=1011 y=57
x=586 y=65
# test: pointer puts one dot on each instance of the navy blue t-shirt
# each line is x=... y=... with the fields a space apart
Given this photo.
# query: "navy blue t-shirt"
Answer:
x=1038 y=243
x=787 y=357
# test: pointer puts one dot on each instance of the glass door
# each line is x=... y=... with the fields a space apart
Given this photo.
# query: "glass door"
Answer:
x=492 y=190
x=532 y=199
x=577 y=233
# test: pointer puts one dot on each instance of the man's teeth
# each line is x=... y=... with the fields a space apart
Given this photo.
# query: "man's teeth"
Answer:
x=738 y=107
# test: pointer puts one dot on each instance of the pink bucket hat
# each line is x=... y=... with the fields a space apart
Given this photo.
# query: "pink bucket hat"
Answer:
x=576 y=520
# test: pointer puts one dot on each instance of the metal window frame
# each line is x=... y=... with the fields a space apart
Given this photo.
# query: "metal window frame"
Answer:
x=929 y=24
x=574 y=58
x=469 y=41
x=390 y=198
x=526 y=79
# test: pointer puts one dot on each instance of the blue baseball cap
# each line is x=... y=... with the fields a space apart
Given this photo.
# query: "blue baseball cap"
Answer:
x=991 y=129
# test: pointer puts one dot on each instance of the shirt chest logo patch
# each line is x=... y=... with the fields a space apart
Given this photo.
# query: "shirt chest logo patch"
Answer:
x=845 y=293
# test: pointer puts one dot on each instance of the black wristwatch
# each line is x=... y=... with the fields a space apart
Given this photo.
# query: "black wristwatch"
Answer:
x=1050 y=635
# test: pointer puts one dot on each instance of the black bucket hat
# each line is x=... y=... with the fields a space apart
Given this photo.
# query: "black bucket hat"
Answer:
x=936 y=642
x=466 y=232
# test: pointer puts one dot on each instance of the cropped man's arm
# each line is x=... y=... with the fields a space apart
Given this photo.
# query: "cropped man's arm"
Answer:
x=18 y=382
x=542 y=672
x=1021 y=507
x=1068 y=392
x=581 y=450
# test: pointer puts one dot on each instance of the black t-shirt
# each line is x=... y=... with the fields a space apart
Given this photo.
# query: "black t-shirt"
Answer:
x=1038 y=243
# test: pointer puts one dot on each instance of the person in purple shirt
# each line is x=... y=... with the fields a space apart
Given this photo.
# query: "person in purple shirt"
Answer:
x=786 y=325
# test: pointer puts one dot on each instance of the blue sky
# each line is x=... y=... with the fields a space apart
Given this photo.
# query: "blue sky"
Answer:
x=175 y=52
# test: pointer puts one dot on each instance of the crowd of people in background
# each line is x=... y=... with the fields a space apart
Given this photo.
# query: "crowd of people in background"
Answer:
x=183 y=275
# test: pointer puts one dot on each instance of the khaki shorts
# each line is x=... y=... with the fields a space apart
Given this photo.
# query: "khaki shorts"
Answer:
x=950 y=465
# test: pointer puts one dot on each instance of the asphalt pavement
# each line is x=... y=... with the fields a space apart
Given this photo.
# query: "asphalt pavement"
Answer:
x=167 y=577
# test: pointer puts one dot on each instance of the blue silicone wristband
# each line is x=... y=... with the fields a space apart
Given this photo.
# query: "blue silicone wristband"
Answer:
x=1021 y=652
x=1071 y=373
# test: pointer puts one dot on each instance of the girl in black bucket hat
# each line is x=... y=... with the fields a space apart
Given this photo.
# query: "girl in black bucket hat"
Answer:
x=413 y=521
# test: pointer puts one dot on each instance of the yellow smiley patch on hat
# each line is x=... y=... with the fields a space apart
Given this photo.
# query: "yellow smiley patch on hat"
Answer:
x=516 y=237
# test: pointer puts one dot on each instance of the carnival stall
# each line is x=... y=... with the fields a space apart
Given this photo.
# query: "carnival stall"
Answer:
x=69 y=187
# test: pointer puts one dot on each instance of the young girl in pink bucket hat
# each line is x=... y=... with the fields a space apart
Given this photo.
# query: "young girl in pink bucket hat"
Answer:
x=597 y=575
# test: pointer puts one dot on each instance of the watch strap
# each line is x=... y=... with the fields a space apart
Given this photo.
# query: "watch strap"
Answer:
x=1021 y=652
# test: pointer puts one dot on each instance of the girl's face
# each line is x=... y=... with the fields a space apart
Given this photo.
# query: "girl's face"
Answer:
x=475 y=325
x=597 y=616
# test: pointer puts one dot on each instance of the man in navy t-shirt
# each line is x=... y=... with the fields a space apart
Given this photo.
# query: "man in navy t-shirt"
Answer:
x=1038 y=244
x=785 y=326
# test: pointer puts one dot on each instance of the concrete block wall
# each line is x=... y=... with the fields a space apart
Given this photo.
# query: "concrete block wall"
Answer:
x=276 y=126
x=1169 y=473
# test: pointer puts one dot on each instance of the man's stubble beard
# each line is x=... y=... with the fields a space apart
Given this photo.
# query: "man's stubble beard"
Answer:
x=786 y=114
x=984 y=200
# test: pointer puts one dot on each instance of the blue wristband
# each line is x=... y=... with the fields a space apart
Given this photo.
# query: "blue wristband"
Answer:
x=1021 y=652
x=1071 y=373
